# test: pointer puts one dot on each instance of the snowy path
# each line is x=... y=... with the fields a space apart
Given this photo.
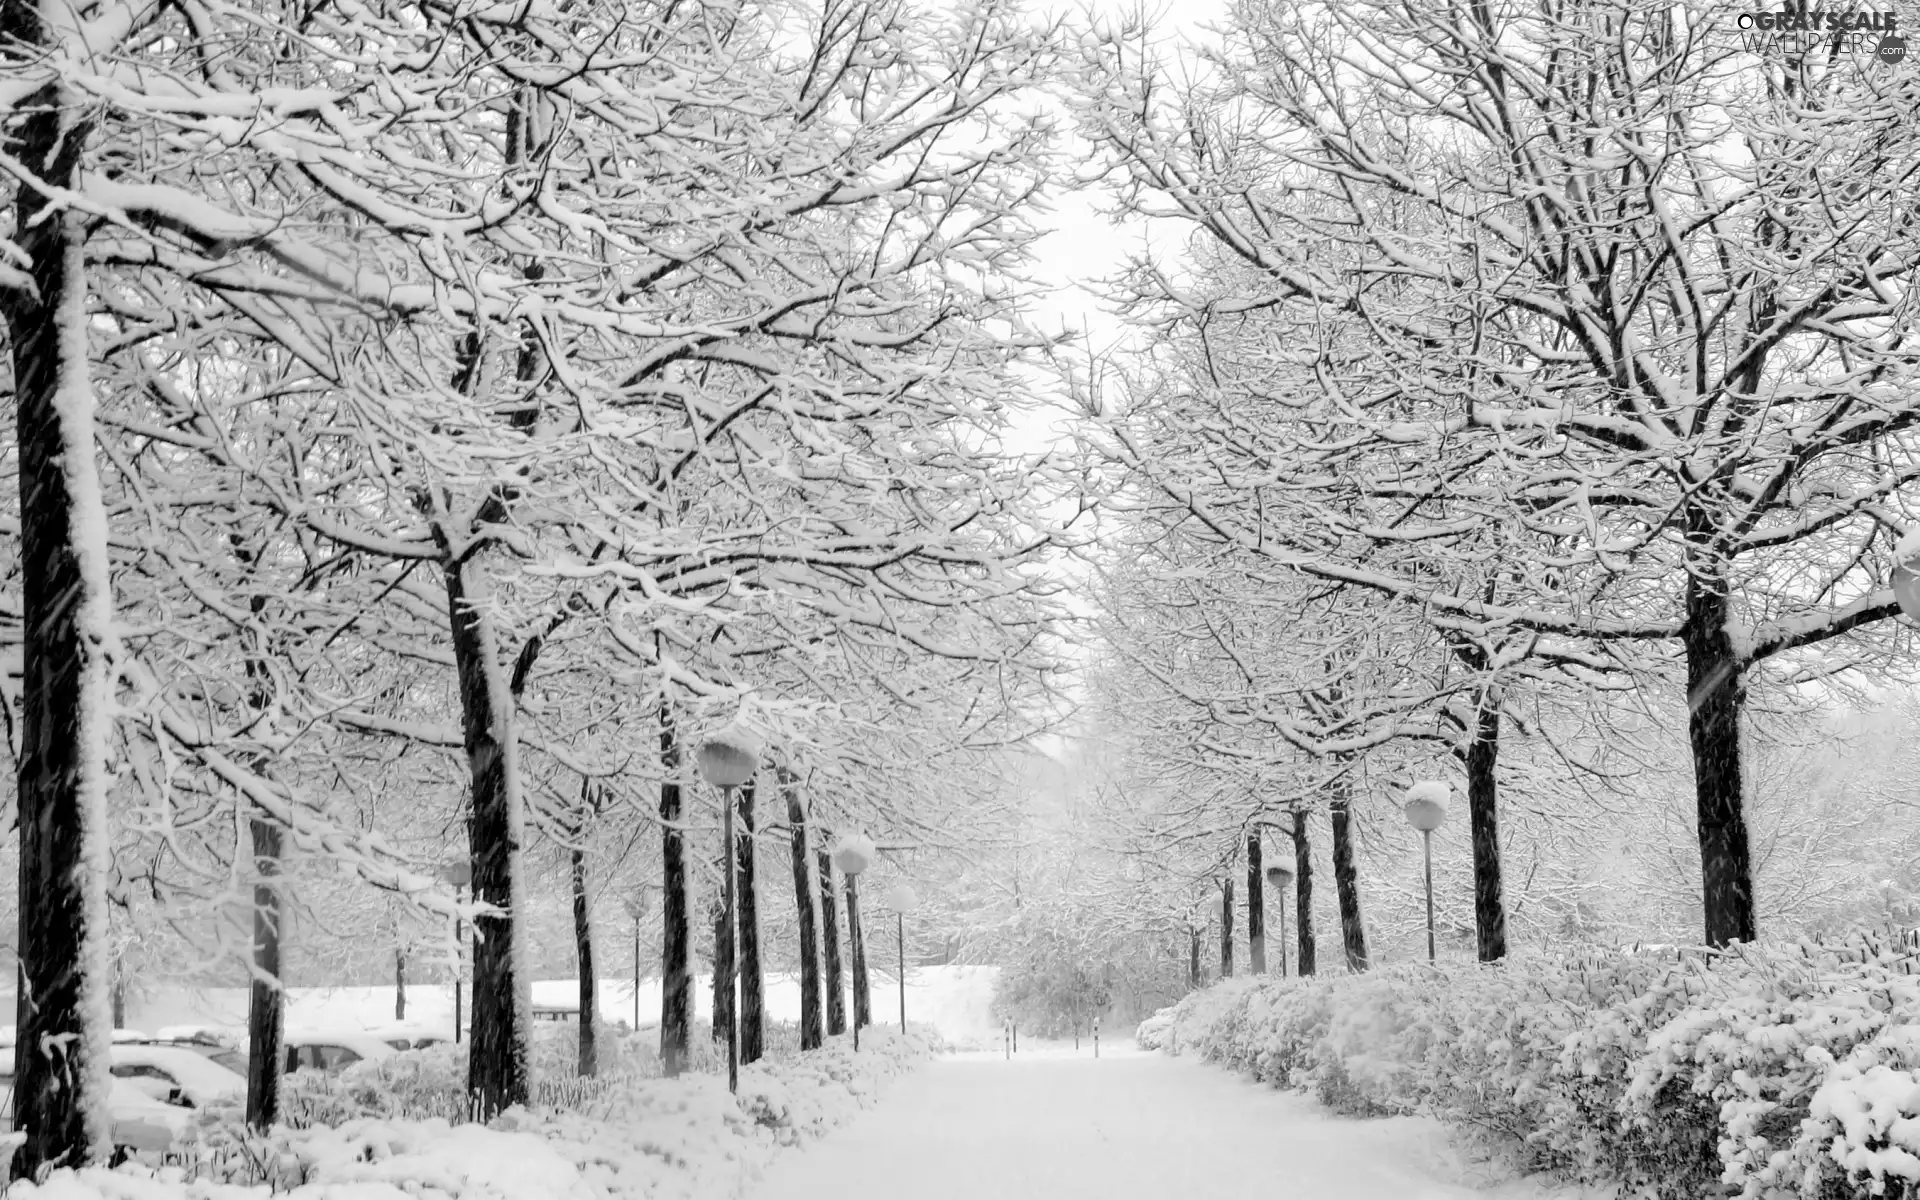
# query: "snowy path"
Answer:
x=1128 y=1125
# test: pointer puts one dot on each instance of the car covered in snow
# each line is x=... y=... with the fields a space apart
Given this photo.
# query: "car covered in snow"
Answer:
x=206 y=1046
x=177 y=1075
x=140 y=1123
x=331 y=1052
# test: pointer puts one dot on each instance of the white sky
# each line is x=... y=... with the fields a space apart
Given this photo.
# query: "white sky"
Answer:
x=1082 y=245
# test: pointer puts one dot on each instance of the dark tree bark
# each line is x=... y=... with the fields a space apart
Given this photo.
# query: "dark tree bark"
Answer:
x=1716 y=695
x=857 y=942
x=399 y=985
x=830 y=945
x=1193 y=957
x=497 y=1069
x=676 y=931
x=1226 y=928
x=1303 y=894
x=1489 y=904
x=1346 y=880
x=266 y=1002
x=62 y=889
x=1256 y=909
x=810 y=1026
x=588 y=1062
x=753 y=985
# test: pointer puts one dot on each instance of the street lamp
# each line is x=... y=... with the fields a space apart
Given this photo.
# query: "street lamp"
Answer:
x=636 y=903
x=1426 y=808
x=852 y=854
x=726 y=760
x=459 y=873
x=1906 y=573
x=1279 y=879
x=901 y=900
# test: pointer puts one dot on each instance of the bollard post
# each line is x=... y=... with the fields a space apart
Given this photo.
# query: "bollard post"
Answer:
x=1096 y=1037
x=1016 y=1039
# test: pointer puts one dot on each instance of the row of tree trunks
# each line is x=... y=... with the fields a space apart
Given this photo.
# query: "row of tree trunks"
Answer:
x=810 y=1026
x=857 y=944
x=1483 y=820
x=752 y=983
x=589 y=990
x=830 y=933
x=1226 y=928
x=1303 y=895
x=676 y=936
x=1256 y=908
x=1346 y=878
x=266 y=1011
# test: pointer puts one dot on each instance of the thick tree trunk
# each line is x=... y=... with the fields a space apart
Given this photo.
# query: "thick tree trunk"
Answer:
x=1489 y=903
x=119 y=999
x=830 y=945
x=1346 y=880
x=810 y=1026
x=266 y=1002
x=676 y=929
x=1226 y=928
x=1256 y=909
x=857 y=943
x=499 y=1073
x=60 y=1096
x=589 y=989
x=753 y=985
x=399 y=985
x=1303 y=894
x=1716 y=696
x=1193 y=957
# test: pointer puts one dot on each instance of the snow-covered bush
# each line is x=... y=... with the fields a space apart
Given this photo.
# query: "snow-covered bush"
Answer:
x=635 y=1139
x=1767 y=1074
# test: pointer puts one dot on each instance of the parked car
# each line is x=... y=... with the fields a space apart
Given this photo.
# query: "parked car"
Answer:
x=140 y=1124
x=330 y=1053
x=177 y=1075
x=208 y=1047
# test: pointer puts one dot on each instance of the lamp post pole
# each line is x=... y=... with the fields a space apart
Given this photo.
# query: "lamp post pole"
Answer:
x=727 y=760
x=1426 y=839
x=853 y=854
x=1279 y=879
x=459 y=873
x=900 y=898
x=1426 y=808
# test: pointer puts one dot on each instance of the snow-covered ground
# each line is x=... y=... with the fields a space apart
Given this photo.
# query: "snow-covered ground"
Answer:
x=1055 y=1125
x=956 y=1000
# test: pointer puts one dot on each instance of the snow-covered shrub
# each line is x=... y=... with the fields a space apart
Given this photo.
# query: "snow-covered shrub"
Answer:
x=637 y=1139
x=1151 y=1034
x=1770 y=1074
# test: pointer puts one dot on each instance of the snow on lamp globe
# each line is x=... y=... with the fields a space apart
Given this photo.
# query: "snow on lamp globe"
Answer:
x=726 y=760
x=1426 y=808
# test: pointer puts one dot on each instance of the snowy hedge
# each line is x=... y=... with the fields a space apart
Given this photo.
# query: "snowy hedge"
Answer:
x=1791 y=1073
x=629 y=1137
